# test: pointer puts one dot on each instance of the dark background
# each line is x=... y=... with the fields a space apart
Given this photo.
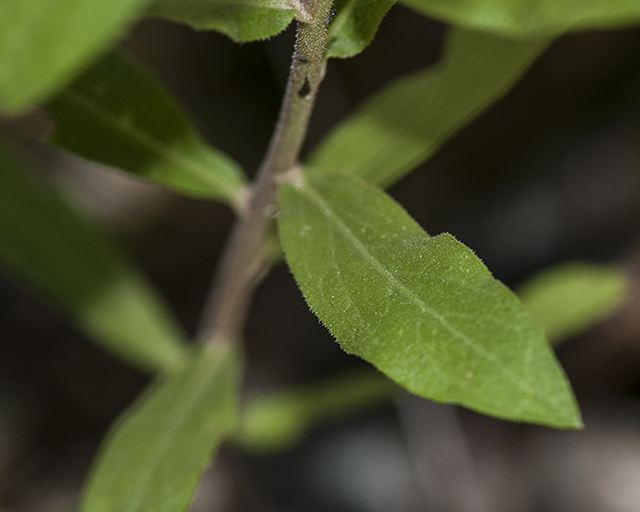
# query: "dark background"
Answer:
x=550 y=173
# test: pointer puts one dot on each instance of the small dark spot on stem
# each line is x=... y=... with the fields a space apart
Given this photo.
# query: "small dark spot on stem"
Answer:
x=330 y=16
x=305 y=89
x=302 y=59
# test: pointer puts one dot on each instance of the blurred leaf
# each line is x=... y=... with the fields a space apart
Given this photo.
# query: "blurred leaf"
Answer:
x=278 y=420
x=43 y=43
x=241 y=20
x=572 y=297
x=403 y=125
x=527 y=18
x=117 y=114
x=354 y=25
x=46 y=243
x=154 y=456
x=424 y=310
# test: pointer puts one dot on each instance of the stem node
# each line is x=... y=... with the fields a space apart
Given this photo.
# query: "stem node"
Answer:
x=244 y=261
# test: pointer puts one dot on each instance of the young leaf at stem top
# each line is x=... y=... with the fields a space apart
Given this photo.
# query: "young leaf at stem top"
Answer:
x=44 y=43
x=118 y=114
x=153 y=458
x=422 y=309
x=241 y=20
x=49 y=245
x=527 y=18
x=403 y=125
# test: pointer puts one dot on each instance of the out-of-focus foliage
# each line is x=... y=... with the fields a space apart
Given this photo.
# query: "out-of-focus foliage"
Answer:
x=44 y=241
x=531 y=18
x=405 y=123
x=277 y=421
x=153 y=458
x=118 y=115
x=568 y=299
x=43 y=44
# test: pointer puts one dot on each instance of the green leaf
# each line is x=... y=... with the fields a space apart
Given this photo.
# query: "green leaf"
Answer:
x=527 y=18
x=570 y=298
x=354 y=25
x=43 y=241
x=119 y=115
x=154 y=456
x=424 y=310
x=278 y=420
x=241 y=20
x=43 y=43
x=403 y=125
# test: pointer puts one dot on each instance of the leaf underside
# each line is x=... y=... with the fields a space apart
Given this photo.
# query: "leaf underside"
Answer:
x=424 y=310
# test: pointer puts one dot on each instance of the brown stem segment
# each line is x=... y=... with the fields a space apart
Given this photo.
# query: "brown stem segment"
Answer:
x=244 y=261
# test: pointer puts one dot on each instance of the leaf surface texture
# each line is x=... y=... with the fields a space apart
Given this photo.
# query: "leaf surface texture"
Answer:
x=424 y=310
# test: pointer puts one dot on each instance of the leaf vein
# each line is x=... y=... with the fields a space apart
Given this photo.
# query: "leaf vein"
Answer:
x=177 y=158
x=360 y=247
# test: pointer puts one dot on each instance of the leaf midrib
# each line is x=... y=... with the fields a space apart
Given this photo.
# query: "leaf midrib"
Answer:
x=359 y=246
x=225 y=187
x=449 y=75
x=175 y=426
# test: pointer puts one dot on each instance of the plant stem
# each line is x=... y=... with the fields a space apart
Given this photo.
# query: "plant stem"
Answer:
x=244 y=262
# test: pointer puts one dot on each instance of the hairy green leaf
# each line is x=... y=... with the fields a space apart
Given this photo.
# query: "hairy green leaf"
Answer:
x=241 y=20
x=154 y=456
x=354 y=25
x=44 y=43
x=527 y=18
x=43 y=241
x=572 y=297
x=279 y=420
x=424 y=310
x=119 y=115
x=403 y=125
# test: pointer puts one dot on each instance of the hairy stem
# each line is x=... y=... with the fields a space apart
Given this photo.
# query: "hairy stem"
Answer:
x=244 y=262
